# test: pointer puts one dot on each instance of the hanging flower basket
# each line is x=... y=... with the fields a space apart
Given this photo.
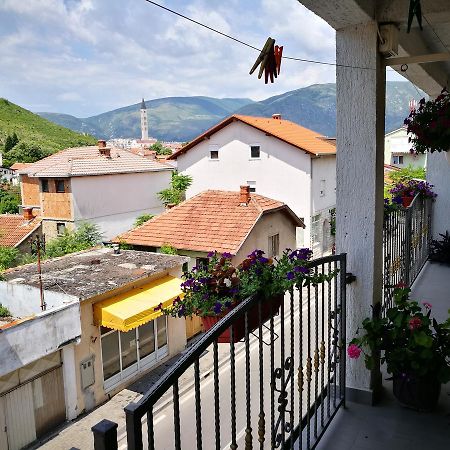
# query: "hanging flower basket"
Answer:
x=269 y=308
x=429 y=125
x=407 y=200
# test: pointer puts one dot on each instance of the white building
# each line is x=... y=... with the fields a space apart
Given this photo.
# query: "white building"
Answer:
x=397 y=150
x=108 y=187
x=276 y=158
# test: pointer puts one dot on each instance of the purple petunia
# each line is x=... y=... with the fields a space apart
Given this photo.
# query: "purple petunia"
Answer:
x=290 y=275
x=211 y=254
x=227 y=255
x=217 y=308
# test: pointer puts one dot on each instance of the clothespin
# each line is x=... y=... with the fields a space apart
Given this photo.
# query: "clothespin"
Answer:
x=415 y=9
x=278 y=56
x=262 y=56
x=270 y=60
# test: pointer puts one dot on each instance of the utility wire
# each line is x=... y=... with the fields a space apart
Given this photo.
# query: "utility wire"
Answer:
x=311 y=61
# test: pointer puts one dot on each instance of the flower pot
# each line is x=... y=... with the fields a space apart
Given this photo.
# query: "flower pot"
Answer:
x=417 y=393
x=407 y=200
x=239 y=324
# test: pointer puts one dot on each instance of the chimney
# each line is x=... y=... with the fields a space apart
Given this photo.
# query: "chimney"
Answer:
x=101 y=143
x=244 y=197
x=27 y=213
x=276 y=116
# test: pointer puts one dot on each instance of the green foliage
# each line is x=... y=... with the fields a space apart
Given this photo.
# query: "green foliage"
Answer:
x=333 y=222
x=9 y=200
x=168 y=250
x=176 y=193
x=8 y=257
x=86 y=236
x=142 y=219
x=23 y=153
x=24 y=127
x=408 y=340
x=440 y=249
x=160 y=149
x=4 y=311
x=407 y=173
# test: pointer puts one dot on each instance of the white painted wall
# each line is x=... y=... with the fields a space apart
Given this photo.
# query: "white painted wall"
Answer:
x=282 y=173
x=438 y=174
x=23 y=300
x=42 y=335
x=114 y=201
x=396 y=143
x=323 y=175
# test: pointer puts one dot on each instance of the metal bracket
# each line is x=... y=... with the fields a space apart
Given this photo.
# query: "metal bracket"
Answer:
x=349 y=278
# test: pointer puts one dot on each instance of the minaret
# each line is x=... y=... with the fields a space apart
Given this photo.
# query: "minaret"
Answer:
x=144 y=121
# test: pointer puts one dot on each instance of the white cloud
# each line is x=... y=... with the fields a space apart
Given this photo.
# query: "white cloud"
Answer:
x=84 y=57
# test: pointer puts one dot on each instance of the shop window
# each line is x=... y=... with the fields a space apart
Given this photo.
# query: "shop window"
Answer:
x=110 y=354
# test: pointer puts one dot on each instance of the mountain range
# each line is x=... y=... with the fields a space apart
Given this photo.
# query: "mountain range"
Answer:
x=183 y=118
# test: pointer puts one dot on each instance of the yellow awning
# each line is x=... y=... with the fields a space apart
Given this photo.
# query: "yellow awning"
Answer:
x=126 y=311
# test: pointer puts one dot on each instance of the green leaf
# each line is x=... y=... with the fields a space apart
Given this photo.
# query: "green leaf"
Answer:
x=422 y=339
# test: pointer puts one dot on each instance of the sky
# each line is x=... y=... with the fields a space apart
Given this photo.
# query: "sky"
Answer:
x=85 y=57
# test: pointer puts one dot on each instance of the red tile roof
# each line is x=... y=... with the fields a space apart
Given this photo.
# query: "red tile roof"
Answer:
x=212 y=220
x=83 y=161
x=14 y=228
x=285 y=130
x=20 y=166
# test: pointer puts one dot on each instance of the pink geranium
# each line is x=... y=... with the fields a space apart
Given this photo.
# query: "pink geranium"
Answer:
x=427 y=305
x=353 y=351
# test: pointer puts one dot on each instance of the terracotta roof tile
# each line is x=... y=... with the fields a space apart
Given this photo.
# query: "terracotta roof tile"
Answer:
x=15 y=228
x=212 y=220
x=285 y=130
x=83 y=161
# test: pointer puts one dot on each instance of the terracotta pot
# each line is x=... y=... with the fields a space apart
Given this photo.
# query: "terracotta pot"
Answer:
x=416 y=393
x=407 y=200
x=239 y=324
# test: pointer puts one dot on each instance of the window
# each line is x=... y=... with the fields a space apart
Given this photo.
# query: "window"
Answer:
x=214 y=152
x=274 y=245
x=201 y=262
x=252 y=185
x=60 y=228
x=59 y=186
x=185 y=267
x=397 y=159
x=315 y=231
x=125 y=353
x=322 y=188
x=255 y=151
x=44 y=185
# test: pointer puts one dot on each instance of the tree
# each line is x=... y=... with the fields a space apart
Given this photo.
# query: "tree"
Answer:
x=407 y=173
x=142 y=219
x=23 y=153
x=160 y=149
x=9 y=200
x=86 y=236
x=175 y=194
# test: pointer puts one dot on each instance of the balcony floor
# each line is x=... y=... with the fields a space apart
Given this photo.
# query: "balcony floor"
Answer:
x=389 y=426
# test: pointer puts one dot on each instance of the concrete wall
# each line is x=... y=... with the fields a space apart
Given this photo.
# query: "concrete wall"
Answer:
x=438 y=174
x=282 y=172
x=42 y=335
x=23 y=300
x=323 y=183
x=114 y=201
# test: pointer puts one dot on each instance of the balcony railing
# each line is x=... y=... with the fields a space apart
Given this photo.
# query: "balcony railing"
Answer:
x=406 y=243
x=278 y=385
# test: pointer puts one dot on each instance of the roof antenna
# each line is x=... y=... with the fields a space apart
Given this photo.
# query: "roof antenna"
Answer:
x=38 y=244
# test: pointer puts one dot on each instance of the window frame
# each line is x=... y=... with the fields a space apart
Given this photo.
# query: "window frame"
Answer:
x=274 y=245
x=399 y=162
x=322 y=188
x=252 y=186
x=214 y=149
x=60 y=225
x=44 y=182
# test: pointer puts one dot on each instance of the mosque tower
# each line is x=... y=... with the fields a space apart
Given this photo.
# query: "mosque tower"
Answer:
x=144 y=121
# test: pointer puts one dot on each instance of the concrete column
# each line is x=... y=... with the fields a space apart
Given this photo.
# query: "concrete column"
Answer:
x=70 y=381
x=360 y=104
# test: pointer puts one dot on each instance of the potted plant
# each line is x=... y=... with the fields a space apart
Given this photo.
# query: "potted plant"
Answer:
x=414 y=346
x=404 y=193
x=213 y=290
x=429 y=125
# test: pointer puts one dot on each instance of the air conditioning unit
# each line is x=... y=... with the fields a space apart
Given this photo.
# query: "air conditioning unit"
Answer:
x=388 y=45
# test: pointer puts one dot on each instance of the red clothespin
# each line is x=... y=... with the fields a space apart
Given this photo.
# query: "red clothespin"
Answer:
x=278 y=56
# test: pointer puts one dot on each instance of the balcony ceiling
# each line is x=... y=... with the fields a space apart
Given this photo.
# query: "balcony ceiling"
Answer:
x=434 y=38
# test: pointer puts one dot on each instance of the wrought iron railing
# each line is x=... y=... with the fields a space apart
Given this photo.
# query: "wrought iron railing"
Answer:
x=406 y=243
x=279 y=386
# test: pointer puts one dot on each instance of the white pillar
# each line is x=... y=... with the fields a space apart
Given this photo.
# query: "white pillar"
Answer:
x=360 y=104
x=70 y=381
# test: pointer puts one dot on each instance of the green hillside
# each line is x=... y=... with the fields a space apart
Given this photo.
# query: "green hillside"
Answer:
x=34 y=133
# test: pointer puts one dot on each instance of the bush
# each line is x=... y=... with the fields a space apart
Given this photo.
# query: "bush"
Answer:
x=9 y=200
x=168 y=250
x=4 y=311
x=160 y=149
x=8 y=257
x=86 y=236
x=176 y=193
x=142 y=219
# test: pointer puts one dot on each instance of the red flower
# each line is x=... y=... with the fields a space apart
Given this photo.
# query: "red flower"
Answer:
x=353 y=351
x=415 y=323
